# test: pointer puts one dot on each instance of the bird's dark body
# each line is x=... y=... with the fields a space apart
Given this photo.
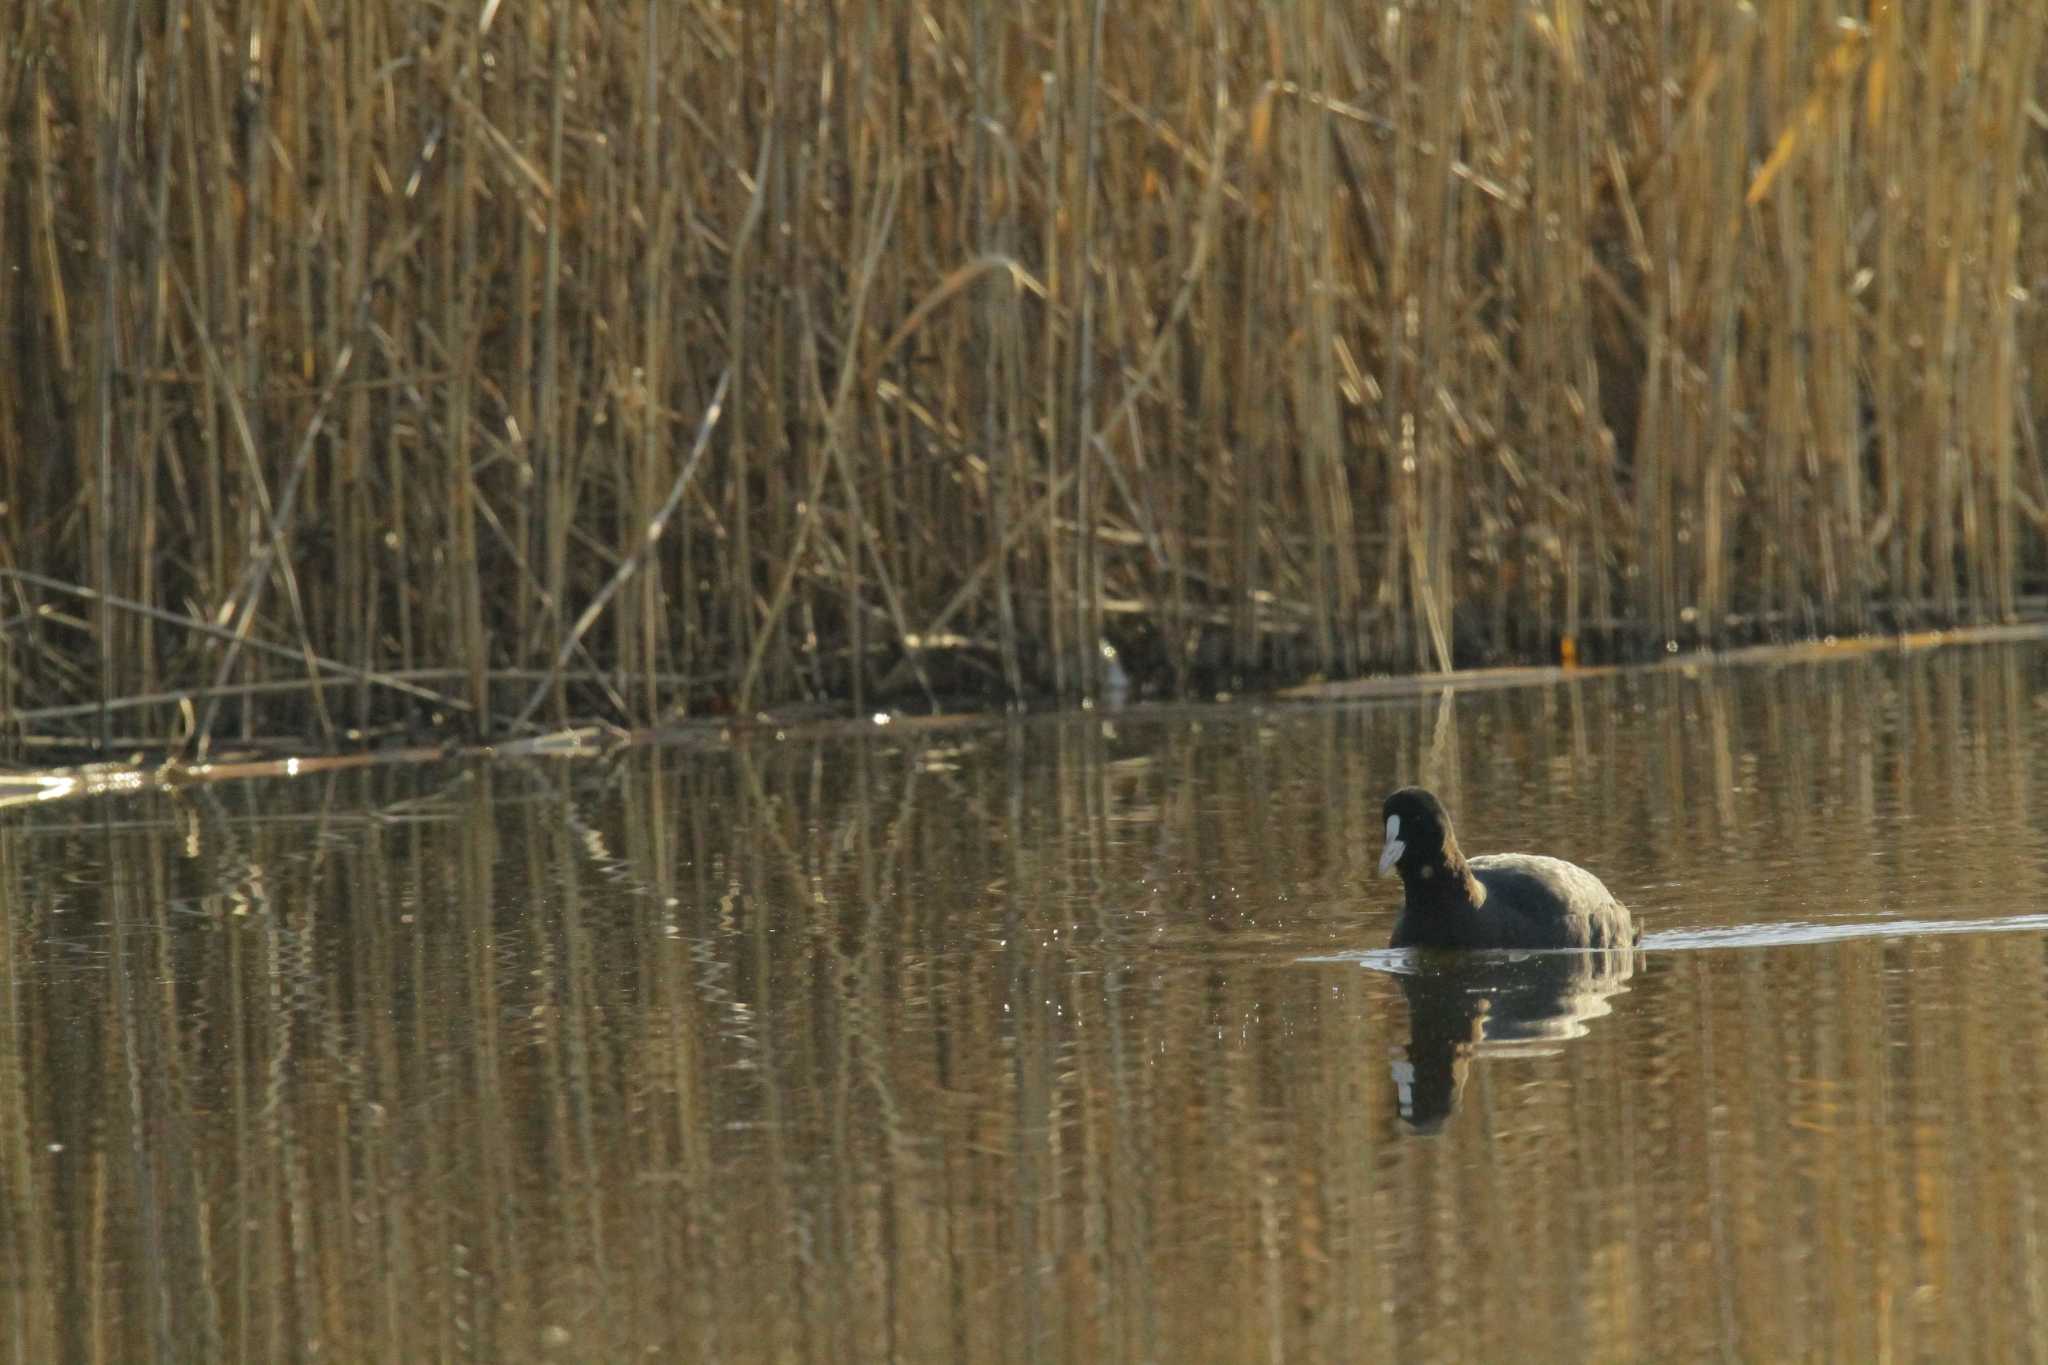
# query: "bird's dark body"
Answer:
x=1499 y=900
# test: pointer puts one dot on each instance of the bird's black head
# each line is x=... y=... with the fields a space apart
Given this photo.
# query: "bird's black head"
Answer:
x=1419 y=838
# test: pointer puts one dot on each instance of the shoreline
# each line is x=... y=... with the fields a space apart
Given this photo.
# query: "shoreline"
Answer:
x=38 y=786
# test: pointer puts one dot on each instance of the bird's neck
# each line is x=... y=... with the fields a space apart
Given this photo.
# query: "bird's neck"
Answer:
x=1445 y=883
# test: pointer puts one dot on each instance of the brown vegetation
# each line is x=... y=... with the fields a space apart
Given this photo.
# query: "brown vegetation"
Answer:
x=365 y=359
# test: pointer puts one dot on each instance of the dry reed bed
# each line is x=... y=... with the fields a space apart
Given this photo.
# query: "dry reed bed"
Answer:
x=563 y=359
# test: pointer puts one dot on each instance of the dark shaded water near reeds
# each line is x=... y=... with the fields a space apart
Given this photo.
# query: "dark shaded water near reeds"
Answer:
x=1060 y=1040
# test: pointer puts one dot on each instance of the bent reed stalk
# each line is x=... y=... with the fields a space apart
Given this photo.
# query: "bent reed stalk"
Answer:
x=1263 y=343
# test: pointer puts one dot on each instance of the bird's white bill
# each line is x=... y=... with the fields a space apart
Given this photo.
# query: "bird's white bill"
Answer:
x=1391 y=854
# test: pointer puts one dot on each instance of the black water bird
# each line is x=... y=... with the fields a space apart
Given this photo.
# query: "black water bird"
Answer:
x=1497 y=900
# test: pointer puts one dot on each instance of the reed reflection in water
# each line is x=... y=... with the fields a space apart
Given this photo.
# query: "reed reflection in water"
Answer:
x=1057 y=1040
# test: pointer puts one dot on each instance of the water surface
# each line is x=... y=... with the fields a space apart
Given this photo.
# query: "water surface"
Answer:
x=1060 y=1040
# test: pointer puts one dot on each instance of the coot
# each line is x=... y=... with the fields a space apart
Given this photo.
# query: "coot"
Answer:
x=1498 y=900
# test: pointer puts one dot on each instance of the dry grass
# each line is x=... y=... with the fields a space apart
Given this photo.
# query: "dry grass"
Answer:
x=357 y=345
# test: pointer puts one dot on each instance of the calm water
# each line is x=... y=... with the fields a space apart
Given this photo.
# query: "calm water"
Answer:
x=1067 y=1040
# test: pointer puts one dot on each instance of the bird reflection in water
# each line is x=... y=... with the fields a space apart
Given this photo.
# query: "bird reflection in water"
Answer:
x=1462 y=1005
